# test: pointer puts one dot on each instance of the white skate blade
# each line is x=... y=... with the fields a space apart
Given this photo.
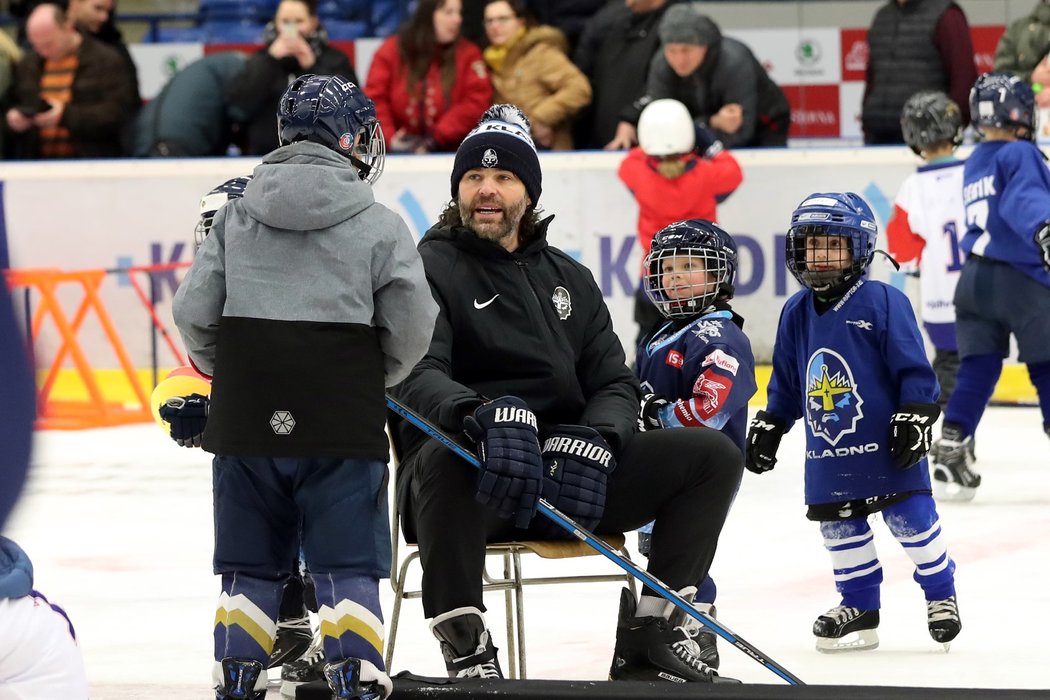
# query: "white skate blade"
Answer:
x=947 y=647
x=861 y=640
x=952 y=491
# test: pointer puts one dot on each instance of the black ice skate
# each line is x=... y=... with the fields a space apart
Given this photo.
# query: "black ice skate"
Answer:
x=942 y=618
x=953 y=476
x=466 y=644
x=239 y=679
x=292 y=641
x=310 y=667
x=846 y=629
x=357 y=679
x=704 y=637
x=655 y=649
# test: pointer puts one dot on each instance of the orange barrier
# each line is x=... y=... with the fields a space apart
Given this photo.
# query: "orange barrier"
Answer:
x=96 y=411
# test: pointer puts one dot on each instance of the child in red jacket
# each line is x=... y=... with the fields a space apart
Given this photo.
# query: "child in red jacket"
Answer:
x=679 y=171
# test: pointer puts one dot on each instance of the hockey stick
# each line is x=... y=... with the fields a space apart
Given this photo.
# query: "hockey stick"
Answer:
x=627 y=565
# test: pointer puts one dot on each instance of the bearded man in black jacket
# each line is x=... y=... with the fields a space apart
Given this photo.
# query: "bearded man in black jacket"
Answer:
x=524 y=364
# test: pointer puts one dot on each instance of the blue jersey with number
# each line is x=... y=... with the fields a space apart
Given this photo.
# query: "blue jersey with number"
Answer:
x=845 y=372
x=705 y=368
x=1006 y=189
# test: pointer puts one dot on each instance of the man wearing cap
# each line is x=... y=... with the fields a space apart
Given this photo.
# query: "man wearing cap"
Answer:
x=718 y=78
x=524 y=368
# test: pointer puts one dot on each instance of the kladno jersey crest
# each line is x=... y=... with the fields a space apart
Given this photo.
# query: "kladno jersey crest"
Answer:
x=833 y=403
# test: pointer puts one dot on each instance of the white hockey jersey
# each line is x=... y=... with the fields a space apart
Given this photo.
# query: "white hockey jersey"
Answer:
x=924 y=232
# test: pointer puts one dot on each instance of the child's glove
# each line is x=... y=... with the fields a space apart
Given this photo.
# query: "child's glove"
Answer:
x=187 y=416
x=911 y=433
x=708 y=144
x=1042 y=239
x=576 y=466
x=763 y=439
x=649 y=412
x=509 y=451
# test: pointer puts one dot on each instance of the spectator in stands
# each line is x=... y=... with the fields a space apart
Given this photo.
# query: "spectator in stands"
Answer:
x=191 y=117
x=717 y=78
x=10 y=55
x=614 y=53
x=296 y=44
x=95 y=18
x=570 y=16
x=914 y=45
x=531 y=69
x=430 y=85
x=72 y=94
x=1023 y=50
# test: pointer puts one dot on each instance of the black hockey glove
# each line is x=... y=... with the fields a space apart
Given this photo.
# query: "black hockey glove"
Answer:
x=1042 y=239
x=511 y=467
x=911 y=432
x=763 y=439
x=576 y=466
x=649 y=412
x=708 y=144
x=187 y=416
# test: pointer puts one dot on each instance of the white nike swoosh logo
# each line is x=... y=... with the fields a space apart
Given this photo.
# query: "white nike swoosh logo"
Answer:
x=482 y=306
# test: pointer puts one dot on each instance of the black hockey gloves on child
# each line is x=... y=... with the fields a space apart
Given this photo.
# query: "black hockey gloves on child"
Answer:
x=1042 y=239
x=511 y=468
x=649 y=412
x=708 y=144
x=911 y=432
x=187 y=416
x=576 y=466
x=763 y=439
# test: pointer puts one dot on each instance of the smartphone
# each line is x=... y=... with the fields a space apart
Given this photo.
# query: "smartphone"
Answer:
x=32 y=110
x=289 y=29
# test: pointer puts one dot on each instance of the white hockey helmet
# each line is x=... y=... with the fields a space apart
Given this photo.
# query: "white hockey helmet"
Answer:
x=666 y=128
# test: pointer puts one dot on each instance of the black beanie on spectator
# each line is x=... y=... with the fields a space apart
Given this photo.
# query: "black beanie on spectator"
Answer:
x=502 y=139
x=681 y=24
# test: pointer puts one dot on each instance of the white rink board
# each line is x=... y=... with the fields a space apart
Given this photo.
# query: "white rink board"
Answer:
x=112 y=214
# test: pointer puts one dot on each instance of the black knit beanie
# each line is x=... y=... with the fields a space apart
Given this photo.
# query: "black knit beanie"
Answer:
x=502 y=139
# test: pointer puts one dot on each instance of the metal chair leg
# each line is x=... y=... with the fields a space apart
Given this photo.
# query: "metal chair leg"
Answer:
x=519 y=595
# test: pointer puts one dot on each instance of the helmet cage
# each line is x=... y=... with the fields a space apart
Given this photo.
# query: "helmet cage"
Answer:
x=693 y=245
x=861 y=250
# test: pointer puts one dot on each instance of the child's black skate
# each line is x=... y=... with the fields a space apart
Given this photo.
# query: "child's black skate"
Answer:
x=308 y=668
x=942 y=618
x=292 y=641
x=703 y=637
x=846 y=629
x=655 y=649
x=239 y=679
x=953 y=476
x=466 y=644
x=357 y=679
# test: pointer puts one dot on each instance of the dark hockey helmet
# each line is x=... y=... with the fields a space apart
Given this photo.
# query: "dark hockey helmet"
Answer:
x=930 y=118
x=333 y=112
x=213 y=201
x=1001 y=99
x=834 y=267
x=692 y=245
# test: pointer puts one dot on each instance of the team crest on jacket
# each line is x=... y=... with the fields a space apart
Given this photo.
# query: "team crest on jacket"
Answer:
x=832 y=400
x=489 y=159
x=562 y=302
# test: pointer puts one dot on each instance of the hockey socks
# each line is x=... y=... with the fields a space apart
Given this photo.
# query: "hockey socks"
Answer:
x=351 y=619
x=246 y=617
x=974 y=386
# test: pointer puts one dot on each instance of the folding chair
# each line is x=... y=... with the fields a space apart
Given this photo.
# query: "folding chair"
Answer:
x=512 y=582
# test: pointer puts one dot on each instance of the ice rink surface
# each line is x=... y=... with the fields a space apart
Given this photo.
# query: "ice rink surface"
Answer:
x=118 y=525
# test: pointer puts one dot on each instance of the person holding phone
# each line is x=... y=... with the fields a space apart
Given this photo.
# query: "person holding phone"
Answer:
x=71 y=94
x=296 y=44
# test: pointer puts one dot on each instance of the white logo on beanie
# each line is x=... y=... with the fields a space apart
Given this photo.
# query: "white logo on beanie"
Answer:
x=489 y=159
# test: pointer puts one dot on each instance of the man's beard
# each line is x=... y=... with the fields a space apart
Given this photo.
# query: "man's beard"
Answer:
x=495 y=231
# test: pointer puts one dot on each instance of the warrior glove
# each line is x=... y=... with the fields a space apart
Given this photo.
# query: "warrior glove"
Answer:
x=649 y=412
x=509 y=451
x=187 y=416
x=576 y=466
x=1042 y=239
x=763 y=439
x=911 y=433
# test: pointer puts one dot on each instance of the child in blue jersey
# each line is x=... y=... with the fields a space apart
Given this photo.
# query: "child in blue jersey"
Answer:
x=849 y=360
x=1004 y=286
x=697 y=368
